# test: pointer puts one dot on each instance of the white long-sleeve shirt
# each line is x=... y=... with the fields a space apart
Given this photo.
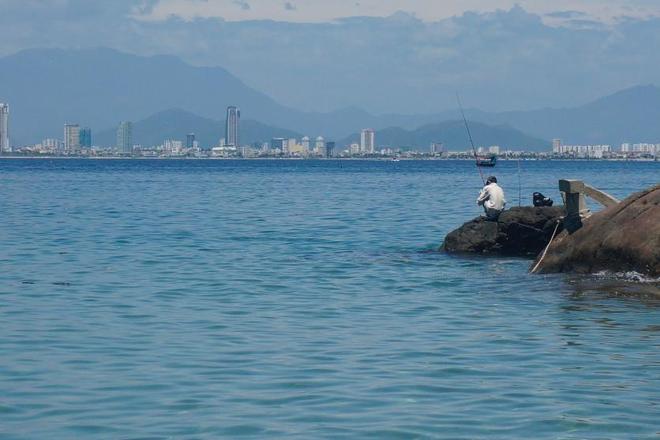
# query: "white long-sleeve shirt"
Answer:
x=492 y=198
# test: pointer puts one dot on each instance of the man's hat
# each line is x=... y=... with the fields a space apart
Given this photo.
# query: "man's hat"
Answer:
x=491 y=179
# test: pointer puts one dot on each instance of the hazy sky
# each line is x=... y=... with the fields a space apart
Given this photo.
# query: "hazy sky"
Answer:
x=380 y=55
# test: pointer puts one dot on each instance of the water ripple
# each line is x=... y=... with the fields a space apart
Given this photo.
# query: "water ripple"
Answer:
x=206 y=299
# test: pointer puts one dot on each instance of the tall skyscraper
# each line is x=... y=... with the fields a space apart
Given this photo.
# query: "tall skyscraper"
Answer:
x=319 y=146
x=190 y=140
x=556 y=145
x=125 y=137
x=368 y=141
x=86 y=137
x=330 y=149
x=232 y=126
x=4 y=128
x=71 y=138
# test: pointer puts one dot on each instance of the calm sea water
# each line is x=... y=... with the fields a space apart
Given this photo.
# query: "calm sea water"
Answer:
x=291 y=299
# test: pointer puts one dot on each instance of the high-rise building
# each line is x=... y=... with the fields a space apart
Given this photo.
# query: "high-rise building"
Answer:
x=4 y=128
x=71 y=138
x=436 y=148
x=319 y=146
x=86 y=137
x=368 y=141
x=232 y=126
x=556 y=145
x=190 y=140
x=125 y=137
x=330 y=149
x=305 y=143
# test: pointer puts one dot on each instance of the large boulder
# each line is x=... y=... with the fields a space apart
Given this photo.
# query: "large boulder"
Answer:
x=622 y=238
x=523 y=231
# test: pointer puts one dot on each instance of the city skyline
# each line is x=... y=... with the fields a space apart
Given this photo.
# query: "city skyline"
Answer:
x=77 y=140
x=211 y=91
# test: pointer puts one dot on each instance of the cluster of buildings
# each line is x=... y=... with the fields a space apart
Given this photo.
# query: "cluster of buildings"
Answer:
x=642 y=148
x=77 y=141
x=292 y=148
x=319 y=147
x=626 y=151
x=583 y=151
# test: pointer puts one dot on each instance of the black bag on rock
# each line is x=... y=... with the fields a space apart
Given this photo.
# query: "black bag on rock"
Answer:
x=541 y=200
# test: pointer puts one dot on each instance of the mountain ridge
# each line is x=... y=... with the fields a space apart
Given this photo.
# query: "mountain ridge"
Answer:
x=628 y=115
x=99 y=87
x=453 y=136
x=176 y=123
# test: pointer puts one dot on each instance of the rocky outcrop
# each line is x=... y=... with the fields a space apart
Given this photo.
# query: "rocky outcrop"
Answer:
x=523 y=231
x=622 y=238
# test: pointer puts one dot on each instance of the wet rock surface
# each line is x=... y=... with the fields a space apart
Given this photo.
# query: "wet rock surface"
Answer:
x=522 y=231
x=622 y=238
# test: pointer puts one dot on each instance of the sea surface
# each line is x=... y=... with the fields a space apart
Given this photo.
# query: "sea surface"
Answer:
x=166 y=299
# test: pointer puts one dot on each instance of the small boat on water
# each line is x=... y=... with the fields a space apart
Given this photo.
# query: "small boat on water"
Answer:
x=487 y=161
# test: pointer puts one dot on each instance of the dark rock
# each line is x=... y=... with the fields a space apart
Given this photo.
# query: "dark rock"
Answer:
x=622 y=238
x=521 y=231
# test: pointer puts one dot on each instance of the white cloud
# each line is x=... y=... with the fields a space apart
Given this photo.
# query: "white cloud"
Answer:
x=506 y=59
x=428 y=10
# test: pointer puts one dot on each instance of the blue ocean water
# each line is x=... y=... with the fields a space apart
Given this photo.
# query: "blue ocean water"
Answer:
x=305 y=299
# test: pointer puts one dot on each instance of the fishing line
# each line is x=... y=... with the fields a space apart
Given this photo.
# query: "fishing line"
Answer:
x=519 y=186
x=474 y=150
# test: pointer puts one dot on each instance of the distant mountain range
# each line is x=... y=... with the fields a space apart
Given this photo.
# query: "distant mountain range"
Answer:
x=100 y=87
x=630 y=115
x=176 y=124
x=452 y=135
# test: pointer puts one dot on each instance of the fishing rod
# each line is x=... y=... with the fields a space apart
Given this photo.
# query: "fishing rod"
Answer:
x=519 y=185
x=467 y=127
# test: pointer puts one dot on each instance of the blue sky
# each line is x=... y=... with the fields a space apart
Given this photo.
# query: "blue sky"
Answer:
x=380 y=55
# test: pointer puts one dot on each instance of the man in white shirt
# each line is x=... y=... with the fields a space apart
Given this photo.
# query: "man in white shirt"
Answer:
x=492 y=199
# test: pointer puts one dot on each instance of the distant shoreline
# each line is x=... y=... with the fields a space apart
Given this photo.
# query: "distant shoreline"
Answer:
x=374 y=159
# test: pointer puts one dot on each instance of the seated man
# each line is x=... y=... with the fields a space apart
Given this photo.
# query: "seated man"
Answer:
x=492 y=199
